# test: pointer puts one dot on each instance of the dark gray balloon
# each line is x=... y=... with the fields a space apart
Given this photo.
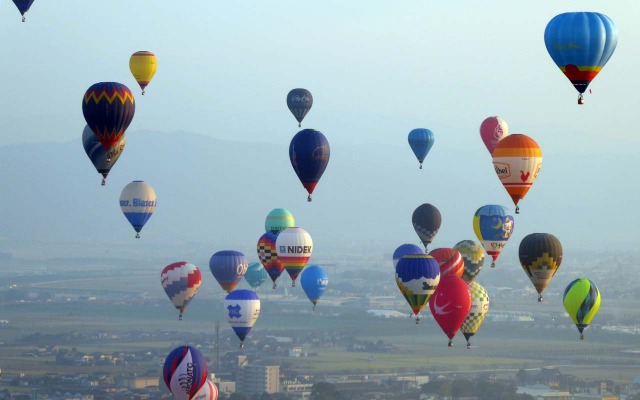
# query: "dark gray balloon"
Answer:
x=426 y=221
x=299 y=102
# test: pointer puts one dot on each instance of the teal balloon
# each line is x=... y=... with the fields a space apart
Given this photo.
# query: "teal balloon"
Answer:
x=256 y=275
x=421 y=141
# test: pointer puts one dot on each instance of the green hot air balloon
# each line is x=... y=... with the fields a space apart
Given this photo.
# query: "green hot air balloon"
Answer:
x=582 y=301
x=473 y=256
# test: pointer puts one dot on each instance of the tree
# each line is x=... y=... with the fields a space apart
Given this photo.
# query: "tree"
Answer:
x=324 y=391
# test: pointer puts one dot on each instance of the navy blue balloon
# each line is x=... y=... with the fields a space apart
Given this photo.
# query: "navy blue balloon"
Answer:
x=309 y=153
x=23 y=6
x=403 y=250
x=314 y=282
x=421 y=141
x=299 y=102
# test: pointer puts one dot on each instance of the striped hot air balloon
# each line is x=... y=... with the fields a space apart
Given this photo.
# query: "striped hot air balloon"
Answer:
x=517 y=160
x=449 y=260
x=208 y=391
x=417 y=277
x=185 y=371
x=403 y=250
x=278 y=220
x=181 y=282
x=294 y=247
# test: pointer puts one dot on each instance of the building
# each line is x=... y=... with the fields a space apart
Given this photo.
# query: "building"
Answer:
x=257 y=379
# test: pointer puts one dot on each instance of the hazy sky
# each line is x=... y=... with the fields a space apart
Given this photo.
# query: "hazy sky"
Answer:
x=377 y=69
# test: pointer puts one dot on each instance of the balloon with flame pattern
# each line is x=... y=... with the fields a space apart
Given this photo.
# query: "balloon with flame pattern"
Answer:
x=403 y=250
x=181 y=282
x=309 y=153
x=228 y=267
x=421 y=141
x=417 y=277
x=242 y=308
x=294 y=247
x=450 y=305
x=299 y=102
x=108 y=108
x=581 y=43
x=185 y=371
x=492 y=130
x=449 y=260
x=314 y=281
x=23 y=6
x=582 y=300
x=269 y=256
x=208 y=391
x=473 y=256
x=98 y=156
x=493 y=226
x=143 y=66
x=540 y=256
x=517 y=160
x=477 y=313
x=138 y=202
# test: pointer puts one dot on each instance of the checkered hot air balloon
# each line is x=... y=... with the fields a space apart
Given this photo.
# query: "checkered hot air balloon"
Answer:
x=181 y=282
x=540 y=256
x=479 y=309
x=185 y=372
x=269 y=256
x=473 y=256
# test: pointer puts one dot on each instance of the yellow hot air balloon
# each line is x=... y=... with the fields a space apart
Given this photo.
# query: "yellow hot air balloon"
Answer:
x=143 y=65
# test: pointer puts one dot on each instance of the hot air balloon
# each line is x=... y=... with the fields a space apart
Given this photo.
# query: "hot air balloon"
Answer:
x=403 y=250
x=450 y=305
x=417 y=276
x=426 y=222
x=493 y=226
x=228 y=267
x=582 y=301
x=540 y=256
x=479 y=309
x=309 y=153
x=255 y=275
x=242 y=308
x=581 y=43
x=492 y=130
x=314 y=280
x=98 y=156
x=208 y=391
x=421 y=141
x=181 y=282
x=473 y=257
x=143 y=66
x=517 y=160
x=294 y=247
x=269 y=256
x=108 y=108
x=278 y=220
x=450 y=261
x=23 y=6
x=138 y=202
x=299 y=102
x=185 y=372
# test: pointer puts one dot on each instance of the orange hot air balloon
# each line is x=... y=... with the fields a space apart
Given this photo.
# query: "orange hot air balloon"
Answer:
x=517 y=160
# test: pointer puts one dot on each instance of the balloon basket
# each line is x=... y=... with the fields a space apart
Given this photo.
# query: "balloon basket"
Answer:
x=309 y=199
x=540 y=299
x=581 y=336
x=137 y=236
x=104 y=182
x=450 y=344
x=468 y=346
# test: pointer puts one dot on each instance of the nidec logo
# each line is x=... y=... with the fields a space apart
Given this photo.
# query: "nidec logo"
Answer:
x=502 y=169
x=296 y=249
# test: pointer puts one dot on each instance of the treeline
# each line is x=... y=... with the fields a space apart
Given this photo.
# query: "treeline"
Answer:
x=479 y=389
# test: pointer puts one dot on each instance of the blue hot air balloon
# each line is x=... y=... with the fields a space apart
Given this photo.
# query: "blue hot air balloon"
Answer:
x=23 y=6
x=314 y=282
x=256 y=275
x=108 y=108
x=228 y=267
x=242 y=308
x=309 y=154
x=417 y=276
x=421 y=141
x=581 y=43
x=138 y=202
x=98 y=155
x=185 y=371
x=403 y=250
x=299 y=102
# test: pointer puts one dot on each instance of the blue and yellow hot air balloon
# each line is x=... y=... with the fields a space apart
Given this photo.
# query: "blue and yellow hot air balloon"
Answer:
x=309 y=153
x=421 y=141
x=143 y=66
x=581 y=43
x=314 y=281
x=138 y=202
x=582 y=301
x=417 y=277
x=493 y=226
x=23 y=6
x=403 y=250
x=98 y=155
x=228 y=267
x=108 y=108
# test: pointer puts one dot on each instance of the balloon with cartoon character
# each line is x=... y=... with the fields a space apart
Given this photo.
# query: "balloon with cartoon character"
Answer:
x=493 y=226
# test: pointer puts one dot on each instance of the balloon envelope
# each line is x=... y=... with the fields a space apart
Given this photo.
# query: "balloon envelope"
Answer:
x=102 y=160
x=473 y=257
x=540 y=256
x=426 y=221
x=581 y=43
x=294 y=247
x=208 y=391
x=108 y=108
x=185 y=371
x=478 y=311
x=228 y=267
x=256 y=275
x=582 y=301
x=450 y=304
x=314 y=281
x=242 y=308
x=181 y=282
x=492 y=130
x=417 y=277
x=421 y=141
x=493 y=226
x=269 y=256
x=309 y=153
x=299 y=102
x=143 y=66
x=278 y=220
x=517 y=160
x=138 y=202
x=449 y=261
x=23 y=6
x=403 y=250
